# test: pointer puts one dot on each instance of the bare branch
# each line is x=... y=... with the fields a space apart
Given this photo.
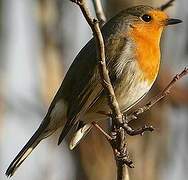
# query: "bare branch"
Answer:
x=108 y=137
x=157 y=98
x=119 y=144
x=124 y=173
x=94 y=24
x=120 y=125
x=99 y=12
x=166 y=5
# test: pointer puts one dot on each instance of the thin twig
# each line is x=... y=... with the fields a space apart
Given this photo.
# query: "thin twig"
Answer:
x=105 y=80
x=117 y=117
x=166 y=5
x=123 y=172
x=157 y=98
x=118 y=140
x=99 y=12
x=108 y=137
x=121 y=165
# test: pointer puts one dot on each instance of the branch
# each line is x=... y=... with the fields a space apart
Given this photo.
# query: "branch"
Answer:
x=118 y=143
x=157 y=98
x=166 y=5
x=120 y=125
x=99 y=12
x=105 y=80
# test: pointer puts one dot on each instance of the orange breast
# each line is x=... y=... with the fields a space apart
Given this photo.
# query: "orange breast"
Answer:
x=147 y=50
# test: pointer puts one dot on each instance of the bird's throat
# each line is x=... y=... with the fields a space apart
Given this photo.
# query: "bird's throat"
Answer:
x=147 y=52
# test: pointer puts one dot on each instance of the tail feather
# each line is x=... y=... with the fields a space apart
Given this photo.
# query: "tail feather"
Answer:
x=26 y=150
x=79 y=135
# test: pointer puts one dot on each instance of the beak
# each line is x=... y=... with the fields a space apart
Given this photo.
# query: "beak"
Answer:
x=172 y=21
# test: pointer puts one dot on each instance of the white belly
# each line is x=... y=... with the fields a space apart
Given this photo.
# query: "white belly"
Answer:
x=130 y=89
x=126 y=100
x=133 y=95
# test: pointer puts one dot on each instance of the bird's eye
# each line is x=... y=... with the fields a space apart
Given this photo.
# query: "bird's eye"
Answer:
x=146 y=18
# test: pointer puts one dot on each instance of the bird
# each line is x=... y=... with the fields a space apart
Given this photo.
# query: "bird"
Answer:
x=132 y=52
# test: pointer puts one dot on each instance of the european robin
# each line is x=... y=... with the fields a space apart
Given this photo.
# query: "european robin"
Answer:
x=132 y=46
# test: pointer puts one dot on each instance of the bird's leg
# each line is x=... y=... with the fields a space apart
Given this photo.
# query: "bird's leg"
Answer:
x=119 y=139
x=132 y=132
x=119 y=146
x=120 y=154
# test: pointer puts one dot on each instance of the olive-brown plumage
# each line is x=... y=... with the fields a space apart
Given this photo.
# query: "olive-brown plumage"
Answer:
x=132 y=46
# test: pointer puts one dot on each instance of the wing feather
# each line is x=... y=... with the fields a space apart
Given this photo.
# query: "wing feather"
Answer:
x=81 y=87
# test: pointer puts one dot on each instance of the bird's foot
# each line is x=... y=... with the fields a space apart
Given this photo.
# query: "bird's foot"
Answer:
x=140 y=131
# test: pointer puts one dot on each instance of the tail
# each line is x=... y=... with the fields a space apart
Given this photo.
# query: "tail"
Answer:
x=27 y=149
x=79 y=135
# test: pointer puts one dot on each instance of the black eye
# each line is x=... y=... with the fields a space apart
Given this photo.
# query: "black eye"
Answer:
x=146 y=18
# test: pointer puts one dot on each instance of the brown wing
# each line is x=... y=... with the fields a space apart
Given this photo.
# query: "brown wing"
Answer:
x=81 y=86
